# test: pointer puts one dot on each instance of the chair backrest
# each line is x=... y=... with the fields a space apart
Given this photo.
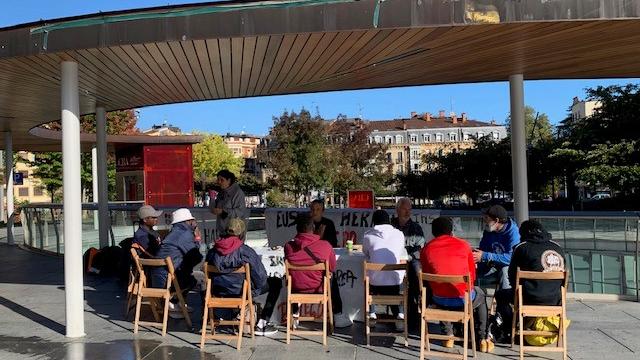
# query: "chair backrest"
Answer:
x=539 y=275
x=323 y=266
x=142 y=263
x=244 y=269
x=368 y=266
x=445 y=279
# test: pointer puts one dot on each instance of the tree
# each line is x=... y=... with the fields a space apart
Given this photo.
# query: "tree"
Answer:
x=48 y=168
x=211 y=156
x=297 y=153
x=356 y=162
x=537 y=127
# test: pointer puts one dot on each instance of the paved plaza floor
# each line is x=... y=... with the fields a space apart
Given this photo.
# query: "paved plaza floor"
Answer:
x=32 y=326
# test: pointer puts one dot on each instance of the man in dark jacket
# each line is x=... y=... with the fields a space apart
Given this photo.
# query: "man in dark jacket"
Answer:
x=321 y=225
x=536 y=252
x=180 y=245
x=146 y=239
x=228 y=254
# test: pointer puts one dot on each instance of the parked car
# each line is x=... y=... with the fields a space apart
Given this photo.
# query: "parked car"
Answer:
x=600 y=196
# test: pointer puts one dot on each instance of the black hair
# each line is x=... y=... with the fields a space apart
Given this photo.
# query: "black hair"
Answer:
x=304 y=223
x=442 y=226
x=317 y=201
x=380 y=217
x=227 y=175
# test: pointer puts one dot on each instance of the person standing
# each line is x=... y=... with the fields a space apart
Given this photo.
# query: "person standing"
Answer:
x=496 y=246
x=229 y=203
x=414 y=242
x=322 y=226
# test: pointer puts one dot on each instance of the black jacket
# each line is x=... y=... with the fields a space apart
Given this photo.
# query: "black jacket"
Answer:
x=536 y=252
x=329 y=231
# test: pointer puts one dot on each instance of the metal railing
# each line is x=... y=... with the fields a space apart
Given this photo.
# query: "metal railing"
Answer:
x=602 y=248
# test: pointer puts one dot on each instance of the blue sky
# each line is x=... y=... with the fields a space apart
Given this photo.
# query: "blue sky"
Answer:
x=481 y=101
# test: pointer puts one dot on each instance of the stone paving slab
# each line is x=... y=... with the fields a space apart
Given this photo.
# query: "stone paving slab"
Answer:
x=32 y=326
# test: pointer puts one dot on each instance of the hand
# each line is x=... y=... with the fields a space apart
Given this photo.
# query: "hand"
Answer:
x=477 y=255
x=216 y=211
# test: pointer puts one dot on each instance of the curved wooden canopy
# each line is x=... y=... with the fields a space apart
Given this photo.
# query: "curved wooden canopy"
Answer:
x=206 y=51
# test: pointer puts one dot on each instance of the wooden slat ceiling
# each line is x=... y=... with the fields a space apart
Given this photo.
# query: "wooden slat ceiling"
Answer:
x=137 y=75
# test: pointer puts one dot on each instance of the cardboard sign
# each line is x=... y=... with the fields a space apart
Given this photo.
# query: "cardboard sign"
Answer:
x=360 y=199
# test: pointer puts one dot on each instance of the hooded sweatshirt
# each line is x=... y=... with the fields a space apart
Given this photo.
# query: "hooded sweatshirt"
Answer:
x=231 y=201
x=308 y=281
x=537 y=252
x=181 y=247
x=227 y=255
x=384 y=244
x=498 y=246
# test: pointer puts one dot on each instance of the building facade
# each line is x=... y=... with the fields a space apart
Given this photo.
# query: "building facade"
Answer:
x=582 y=109
x=245 y=146
x=408 y=140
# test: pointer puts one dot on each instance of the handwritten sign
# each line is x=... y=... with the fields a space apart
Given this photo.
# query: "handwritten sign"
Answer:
x=351 y=224
x=360 y=199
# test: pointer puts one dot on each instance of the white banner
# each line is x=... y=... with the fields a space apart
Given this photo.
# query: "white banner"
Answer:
x=350 y=223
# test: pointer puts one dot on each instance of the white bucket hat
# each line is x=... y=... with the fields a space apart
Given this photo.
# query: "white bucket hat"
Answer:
x=181 y=215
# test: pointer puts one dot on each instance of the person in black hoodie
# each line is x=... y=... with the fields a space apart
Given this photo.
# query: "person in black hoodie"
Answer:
x=536 y=252
x=228 y=254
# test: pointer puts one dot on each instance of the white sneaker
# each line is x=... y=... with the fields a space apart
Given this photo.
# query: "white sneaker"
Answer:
x=373 y=316
x=176 y=308
x=341 y=321
x=296 y=321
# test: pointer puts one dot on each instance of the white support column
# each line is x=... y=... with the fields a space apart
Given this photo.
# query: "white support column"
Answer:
x=8 y=173
x=94 y=181
x=104 y=220
x=518 y=149
x=72 y=201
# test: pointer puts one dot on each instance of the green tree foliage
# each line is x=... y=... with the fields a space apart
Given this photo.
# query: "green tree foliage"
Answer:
x=356 y=163
x=211 y=156
x=538 y=129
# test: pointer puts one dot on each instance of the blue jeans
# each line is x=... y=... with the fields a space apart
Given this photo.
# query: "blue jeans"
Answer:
x=495 y=275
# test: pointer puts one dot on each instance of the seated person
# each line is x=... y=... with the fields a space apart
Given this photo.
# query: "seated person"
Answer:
x=228 y=254
x=496 y=246
x=306 y=248
x=181 y=246
x=321 y=225
x=384 y=244
x=536 y=252
x=449 y=255
x=146 y=240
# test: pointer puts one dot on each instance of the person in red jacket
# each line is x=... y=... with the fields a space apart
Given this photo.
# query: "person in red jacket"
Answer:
x=307 y=249
x=449 y=255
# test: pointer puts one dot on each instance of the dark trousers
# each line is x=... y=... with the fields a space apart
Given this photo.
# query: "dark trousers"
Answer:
x=413 y=295
x=479 y=314
x=386 y=290
x=336 y=300
x=272 y=288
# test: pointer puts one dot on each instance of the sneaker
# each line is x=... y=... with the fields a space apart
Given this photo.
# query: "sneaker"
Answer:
x=176 y=307
x=449 y=344
x=176 y=315
x=373 y=316
x=400 y=325
x=296 y=321
x=267 y=330
x=341 y=321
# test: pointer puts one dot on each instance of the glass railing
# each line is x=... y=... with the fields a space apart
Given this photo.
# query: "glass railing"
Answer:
x=602 y=247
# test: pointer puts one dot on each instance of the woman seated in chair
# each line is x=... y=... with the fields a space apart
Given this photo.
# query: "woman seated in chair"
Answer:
x=228 y=254
x=449 y=255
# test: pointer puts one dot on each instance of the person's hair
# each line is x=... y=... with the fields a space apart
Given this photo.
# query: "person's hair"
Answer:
x=227 y=175
x=403 y=200
x=304 y=223
x=317 y=201
x=530 y=228
x=442 y=226
x=235 y=227
x=380 y=217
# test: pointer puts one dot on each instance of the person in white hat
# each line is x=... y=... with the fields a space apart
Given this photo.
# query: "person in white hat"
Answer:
x=183 y=249
x=146 y=239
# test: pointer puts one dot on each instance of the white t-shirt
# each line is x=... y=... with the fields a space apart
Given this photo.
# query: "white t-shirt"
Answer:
x=384 y=244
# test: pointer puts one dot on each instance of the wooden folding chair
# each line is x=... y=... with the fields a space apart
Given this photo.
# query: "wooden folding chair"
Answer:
x=132 y=286
x=400 y=300
x=155 y=295
x=464 y=316
x=523 y=311
x=243 y=304
x=323 y=298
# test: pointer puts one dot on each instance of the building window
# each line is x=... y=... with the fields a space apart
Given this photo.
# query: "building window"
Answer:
x=496 y=136
x=414 y=138
x=415 y=167
x=438 y=137
x=399 y=155
x=426 y=137
x=23 y=191
x=480 y=135
x=440 y=152
x=400 y=169
x=453 y=137
x=38 y=191
x=388 y=157
x=388 y=139
x=399 y=139
x=415 y=154
x=378 y=139
x=466 y=137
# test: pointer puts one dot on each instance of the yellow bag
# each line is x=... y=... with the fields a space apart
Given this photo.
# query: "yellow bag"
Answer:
x=551 y=323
